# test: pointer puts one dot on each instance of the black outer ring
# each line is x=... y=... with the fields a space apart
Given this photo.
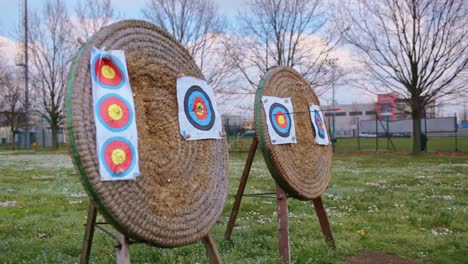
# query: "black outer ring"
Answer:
x=286 y=134
x=192 y=89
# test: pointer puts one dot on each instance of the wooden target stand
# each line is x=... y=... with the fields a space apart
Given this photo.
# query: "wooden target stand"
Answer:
x=122 y=242
x=281 y=209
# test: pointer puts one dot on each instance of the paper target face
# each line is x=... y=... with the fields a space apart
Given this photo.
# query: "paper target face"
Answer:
x=119 y=156
x=280 y=119
x=108 y=71
x=199 y=117
x=114 y=115
x=316 y=117
x=199 y=109
x=114 y=112
x=320 y=125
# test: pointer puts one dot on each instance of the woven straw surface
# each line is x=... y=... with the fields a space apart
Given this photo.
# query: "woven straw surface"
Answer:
x=182 y=189
x=303 y=169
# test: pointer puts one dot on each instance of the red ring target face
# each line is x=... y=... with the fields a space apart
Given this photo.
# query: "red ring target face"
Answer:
x=108 y=71
x=114 y=112
x=119 y=156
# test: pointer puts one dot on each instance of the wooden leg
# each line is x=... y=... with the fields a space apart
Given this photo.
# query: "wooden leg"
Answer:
x=122 y=256
x=323 y=220
x=89 y=233
x=240 y=191
x=212 y=250
x=283 y=225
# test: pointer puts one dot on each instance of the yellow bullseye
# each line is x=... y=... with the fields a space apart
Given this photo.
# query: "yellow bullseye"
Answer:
x=281 y=120
x=118 y=156
x=107 y=72
x=115 y=112
x=200 y=109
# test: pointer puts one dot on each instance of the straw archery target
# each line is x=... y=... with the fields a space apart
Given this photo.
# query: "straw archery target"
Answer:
x=316 y=117
x=107 y=71
x=199 y=109
x=280 y=120
x=114 y=112
x=118 y=154
x=198 y=114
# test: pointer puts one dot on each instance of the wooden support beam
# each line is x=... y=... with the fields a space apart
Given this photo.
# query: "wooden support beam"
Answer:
x=212 y=250
x=89 y=233
x=323 y=220
x=283 y=225
x=122 y=254
x=240 y=191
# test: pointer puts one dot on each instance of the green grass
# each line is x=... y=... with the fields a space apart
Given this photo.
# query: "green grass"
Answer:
x=435 y=144
x=411 y=206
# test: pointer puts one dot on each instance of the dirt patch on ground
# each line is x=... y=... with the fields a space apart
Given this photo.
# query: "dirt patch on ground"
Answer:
x=375 y=257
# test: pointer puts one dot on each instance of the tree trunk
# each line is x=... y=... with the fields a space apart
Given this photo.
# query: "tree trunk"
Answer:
x=55 y=144
x=12 y=135
x=416 y=115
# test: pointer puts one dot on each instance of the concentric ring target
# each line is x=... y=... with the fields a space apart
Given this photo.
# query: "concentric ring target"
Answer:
x=199 y=109
x=280 y=120
x=118 y=154
x=320 y=125
x=114 y=112
x=108 y=71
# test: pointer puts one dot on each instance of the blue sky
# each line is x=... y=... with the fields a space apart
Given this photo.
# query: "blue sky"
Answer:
x=10 y=13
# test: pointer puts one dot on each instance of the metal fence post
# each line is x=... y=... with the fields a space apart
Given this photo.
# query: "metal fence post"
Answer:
x=376 y=132
x=456 y=134
x=358 y=133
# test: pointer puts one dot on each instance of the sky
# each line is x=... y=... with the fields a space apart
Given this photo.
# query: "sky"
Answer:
x=10 y=21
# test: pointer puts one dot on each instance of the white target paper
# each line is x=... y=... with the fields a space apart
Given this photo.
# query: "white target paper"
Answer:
x=199 y=117
x=279 y=119
x=316 y=117
x=114 y=115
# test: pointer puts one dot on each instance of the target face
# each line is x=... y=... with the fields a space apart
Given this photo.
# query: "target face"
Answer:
x=114 y=112
x=320 y=125
x=199 y=109
x=108 y=71
x=119 y=156
x=280 y=119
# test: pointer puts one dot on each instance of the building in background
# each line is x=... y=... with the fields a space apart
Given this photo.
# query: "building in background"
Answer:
x=40 y=133
x=395 y=108
x=347 y=116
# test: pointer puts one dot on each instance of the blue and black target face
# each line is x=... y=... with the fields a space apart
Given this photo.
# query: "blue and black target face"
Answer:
x=319 y=124
x=280 y=119
x=199 y=109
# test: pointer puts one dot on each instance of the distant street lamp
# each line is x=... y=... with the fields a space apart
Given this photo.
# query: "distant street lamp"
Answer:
x=24 y=63
x=332 y=62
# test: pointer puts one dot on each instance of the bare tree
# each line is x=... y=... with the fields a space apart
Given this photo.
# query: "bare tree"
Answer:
x=94 y=15
x=415 y=48
x=283 y=33
x=195 y=24
x=51 y=49
x=11 y=105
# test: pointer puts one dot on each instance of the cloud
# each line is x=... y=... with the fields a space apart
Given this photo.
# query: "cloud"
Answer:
x=8 y=50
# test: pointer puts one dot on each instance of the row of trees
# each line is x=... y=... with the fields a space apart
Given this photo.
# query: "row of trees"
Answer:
x=416 y=48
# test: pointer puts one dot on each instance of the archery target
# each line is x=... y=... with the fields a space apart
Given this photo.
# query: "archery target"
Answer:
x=119 y=156
x=199 y=109
x=108 y=71
x=316 y=116
x=199 y=117
x=280 y=120
x=114 y=112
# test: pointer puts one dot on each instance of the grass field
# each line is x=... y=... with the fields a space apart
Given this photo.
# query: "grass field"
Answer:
x=411 y=206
